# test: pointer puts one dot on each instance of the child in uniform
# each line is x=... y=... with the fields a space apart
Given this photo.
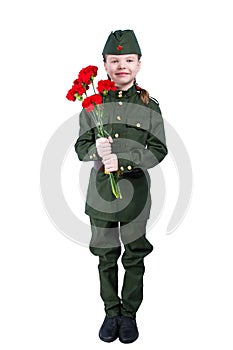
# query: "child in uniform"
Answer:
x=137 y=143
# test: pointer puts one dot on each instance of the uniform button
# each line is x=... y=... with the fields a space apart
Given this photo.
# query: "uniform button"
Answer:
x=94 y=155
x=120 y=94
x=120 y=103
x=118 y=117
x=122 y=168
x=129 y=167
x=138 y=125
x=116 y=135
x=91 y=156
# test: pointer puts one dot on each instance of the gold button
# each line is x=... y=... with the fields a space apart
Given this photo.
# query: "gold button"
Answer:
x=122 y=168
x=120 y=94
x=94 y=155
x=118 y=117
x=129 y=167
x=120 y=103
x=91 y=156
x=116 y=135
x=138 y=125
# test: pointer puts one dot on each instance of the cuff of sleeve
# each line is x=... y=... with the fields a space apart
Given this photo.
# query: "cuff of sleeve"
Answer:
x=92 y=153
x=125 y=165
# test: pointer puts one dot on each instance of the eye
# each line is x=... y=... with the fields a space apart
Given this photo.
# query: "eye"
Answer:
x=129 y=60
x=114 y=61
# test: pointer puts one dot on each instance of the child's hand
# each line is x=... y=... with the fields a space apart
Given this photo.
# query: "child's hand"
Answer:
x=110 y=162
x=103 y=146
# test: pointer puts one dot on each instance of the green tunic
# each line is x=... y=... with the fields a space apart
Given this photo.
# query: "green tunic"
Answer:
x=139 y=143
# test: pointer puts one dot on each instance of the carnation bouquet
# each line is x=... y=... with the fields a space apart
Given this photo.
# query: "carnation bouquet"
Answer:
x=94 y=105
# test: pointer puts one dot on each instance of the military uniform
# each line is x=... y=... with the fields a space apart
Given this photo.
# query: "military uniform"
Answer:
x=139 y=143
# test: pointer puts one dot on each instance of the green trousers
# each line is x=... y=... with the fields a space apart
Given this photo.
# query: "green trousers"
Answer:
x=106 y=242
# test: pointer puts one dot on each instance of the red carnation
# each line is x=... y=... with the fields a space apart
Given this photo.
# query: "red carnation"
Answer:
x=87 y=104
x=90 y=102
x=86 y=75
x=70 y=95
x=106 y=85
x=76 y=91
x=77 y=82
x=96 y=99
x=79 y=89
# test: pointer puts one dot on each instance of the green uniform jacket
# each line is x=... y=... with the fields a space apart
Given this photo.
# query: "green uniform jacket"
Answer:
x=139 y=143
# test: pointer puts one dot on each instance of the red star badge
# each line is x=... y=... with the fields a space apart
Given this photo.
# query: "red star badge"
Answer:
x=119 y=47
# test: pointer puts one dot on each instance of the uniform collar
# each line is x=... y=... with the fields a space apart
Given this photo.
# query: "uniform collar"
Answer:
x=121 y=93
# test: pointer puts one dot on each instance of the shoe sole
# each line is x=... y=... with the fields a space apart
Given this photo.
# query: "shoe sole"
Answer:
x=128 y=341
x=107 y=340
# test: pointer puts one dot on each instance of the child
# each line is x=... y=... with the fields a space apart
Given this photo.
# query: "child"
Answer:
x=137 y=143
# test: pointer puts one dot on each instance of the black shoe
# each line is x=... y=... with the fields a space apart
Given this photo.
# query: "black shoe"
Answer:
x=128 y=331
x=109 y=329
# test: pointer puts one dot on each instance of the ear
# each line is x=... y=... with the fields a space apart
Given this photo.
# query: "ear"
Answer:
x=139 y=65
x=105 y=66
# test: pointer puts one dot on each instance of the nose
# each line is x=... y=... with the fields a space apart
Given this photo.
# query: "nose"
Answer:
x=121 y=65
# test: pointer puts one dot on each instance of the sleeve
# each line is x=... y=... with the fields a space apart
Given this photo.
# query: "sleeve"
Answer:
x=155 y=150
x=85 y=145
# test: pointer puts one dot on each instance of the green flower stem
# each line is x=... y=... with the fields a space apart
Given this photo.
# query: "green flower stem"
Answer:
x=93 y=86
x=115 y=187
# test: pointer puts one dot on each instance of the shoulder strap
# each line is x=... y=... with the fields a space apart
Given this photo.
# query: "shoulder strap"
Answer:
x=154 y=99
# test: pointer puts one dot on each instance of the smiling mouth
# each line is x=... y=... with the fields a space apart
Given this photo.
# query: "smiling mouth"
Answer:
x=122 y=74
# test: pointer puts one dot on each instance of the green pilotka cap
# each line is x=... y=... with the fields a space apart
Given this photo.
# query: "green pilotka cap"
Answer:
x=122 y=42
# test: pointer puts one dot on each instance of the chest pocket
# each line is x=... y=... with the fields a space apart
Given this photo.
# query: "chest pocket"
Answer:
x=137 y=126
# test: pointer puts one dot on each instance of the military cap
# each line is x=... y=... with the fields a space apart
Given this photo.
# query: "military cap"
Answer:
x=122 y=42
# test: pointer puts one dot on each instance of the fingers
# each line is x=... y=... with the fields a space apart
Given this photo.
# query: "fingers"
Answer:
x=103 y=146
x=110 y=169
x=104 y=151
x=110 y=162
x=102 y=140
x=109 y=158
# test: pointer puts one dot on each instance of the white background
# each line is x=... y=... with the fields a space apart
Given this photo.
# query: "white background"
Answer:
x=49 y=285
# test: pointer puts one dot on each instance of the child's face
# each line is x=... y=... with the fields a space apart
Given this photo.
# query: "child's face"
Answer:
x=122 y=69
